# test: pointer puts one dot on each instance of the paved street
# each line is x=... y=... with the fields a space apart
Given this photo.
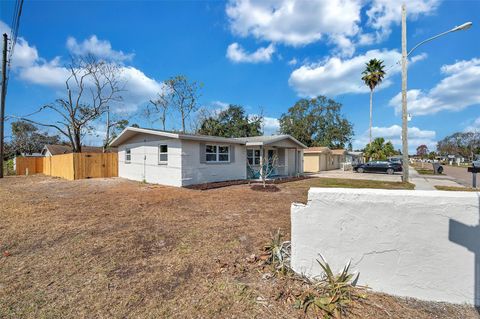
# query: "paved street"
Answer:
x=461 y=175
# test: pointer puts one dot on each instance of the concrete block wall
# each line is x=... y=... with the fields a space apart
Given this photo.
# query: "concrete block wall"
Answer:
x=421 y=244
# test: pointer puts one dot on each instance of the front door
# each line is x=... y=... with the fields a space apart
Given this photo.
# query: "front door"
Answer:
x=272 y=162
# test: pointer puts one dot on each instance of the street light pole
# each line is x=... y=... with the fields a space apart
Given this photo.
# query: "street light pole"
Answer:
x=405 y=162
x=405 y=55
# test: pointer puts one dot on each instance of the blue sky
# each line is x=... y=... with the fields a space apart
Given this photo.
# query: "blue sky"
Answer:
x=264 y=55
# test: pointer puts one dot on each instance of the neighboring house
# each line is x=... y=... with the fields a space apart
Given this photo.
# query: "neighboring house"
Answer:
x=56 y=149
x=179 y=159
x=455 y=159
x=317 y=159
x=354 y=158
x=338 y=157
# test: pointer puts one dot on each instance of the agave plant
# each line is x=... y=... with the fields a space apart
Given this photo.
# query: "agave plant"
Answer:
x=278 y=253
x=331 y=293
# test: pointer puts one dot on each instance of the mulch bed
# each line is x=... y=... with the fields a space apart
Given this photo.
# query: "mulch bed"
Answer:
x=214 y=185
x=268 y=188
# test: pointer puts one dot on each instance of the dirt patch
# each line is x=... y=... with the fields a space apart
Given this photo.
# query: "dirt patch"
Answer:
x=267 y=188
x=116 y=248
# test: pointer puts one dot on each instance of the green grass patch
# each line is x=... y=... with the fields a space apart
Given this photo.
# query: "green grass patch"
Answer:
x=424 y=171
x=350 y=183
x=456 y=188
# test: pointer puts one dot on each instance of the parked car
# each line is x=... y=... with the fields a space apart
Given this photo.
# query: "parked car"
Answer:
x=378 y=167
x=395 y=160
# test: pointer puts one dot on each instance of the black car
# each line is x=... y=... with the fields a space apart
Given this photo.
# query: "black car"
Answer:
x=378 y=167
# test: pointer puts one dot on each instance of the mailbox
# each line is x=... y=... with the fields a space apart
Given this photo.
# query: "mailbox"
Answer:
x=474 y=169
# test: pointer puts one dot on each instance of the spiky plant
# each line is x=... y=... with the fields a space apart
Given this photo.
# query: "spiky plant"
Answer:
x=278 y=253
x=331 y=294
x=372 y=76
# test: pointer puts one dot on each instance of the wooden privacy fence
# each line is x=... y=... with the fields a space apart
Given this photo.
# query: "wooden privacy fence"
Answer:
x=33 y=165
x=71 y=166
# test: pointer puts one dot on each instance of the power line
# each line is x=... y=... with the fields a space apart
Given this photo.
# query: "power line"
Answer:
x=17 y=12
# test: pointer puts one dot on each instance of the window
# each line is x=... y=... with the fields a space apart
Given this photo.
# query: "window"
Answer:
x=223 y=153
x=163 y=154
x=253 y=157
x=128 y=155
x=211 y=152
x=217 y=153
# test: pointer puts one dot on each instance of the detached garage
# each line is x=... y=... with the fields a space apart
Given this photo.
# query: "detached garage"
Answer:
x=317 y=159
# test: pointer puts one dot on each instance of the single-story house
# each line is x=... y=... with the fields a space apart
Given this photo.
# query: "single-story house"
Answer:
x=354 y=158
x=180 y=159
x=320 y=158
x=57 y=149
x=338 y=157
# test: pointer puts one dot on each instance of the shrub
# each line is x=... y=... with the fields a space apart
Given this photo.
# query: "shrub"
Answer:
x=278 y=253
x=331 y=294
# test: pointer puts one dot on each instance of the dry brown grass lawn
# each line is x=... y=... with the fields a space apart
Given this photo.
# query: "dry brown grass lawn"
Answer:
x=120 y=249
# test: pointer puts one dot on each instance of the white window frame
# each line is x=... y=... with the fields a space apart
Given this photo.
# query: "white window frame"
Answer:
x=128 y=155
x=253 y=157
x=217 y=153
x=160 y=153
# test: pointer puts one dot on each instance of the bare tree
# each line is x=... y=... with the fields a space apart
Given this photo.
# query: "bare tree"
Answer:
x=157 y=109
x=112 y=127
x=267 y=167
x=91 y=87
x=182 y=96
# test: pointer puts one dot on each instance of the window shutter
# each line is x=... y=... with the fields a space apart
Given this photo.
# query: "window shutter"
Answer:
x=202 y=153
x=232 y=153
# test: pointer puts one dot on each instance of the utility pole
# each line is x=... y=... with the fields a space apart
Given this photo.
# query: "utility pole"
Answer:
x=3 y=96
x=405 y=161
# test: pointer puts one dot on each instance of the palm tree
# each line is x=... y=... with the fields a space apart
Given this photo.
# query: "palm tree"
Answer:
x=379 y=149
x=372 y=76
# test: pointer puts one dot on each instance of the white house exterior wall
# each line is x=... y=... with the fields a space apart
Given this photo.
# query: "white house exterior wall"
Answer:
x=144 y=164
x=195 y=172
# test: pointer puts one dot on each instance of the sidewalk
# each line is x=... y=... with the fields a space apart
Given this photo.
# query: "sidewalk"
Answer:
x=420 y=182
x=428 y=182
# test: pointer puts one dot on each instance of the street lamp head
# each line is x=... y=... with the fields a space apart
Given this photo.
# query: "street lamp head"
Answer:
x=464 y=26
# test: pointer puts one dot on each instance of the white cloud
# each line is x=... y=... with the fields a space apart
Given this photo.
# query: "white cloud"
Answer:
x=137 y=87
x=456 y=91
x=418 y=57
x=30 y=67
x=396 y=131
x=336 y=76
x=295 y=23
x=271 y=125
x=45 y=73
x=416 y=137
x=474 y=126
x=298 y=23
x=293 y=61
x=24 y=55
x=382 y=14
x=237 y=54
x=99 y=48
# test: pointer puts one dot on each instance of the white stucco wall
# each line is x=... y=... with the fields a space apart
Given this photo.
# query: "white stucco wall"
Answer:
x=195 y=172
x=144 y=164
x=183 y=167
x=419 y=244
